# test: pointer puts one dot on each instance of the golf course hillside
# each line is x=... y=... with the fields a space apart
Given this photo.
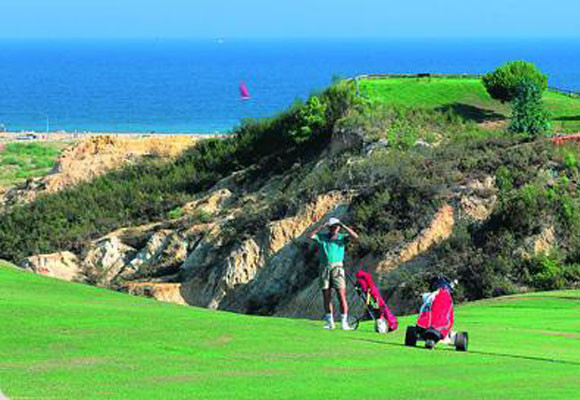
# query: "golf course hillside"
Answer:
x=67 y=341
x=465 y=96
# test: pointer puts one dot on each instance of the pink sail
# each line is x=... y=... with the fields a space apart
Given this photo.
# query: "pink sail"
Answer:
x=244 y=92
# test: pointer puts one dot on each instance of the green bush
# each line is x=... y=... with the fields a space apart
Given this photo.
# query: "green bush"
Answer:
x=177 y=212
x=504 y=178
x=502 y=84
x=544 y=272
x=310 y=118
x=312 y=121
x=528 y=114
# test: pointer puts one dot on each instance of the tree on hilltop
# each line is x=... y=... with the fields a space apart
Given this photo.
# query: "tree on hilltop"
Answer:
x=503 y=83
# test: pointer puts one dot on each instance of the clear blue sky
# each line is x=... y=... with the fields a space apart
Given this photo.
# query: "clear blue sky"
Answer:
x=289 y=18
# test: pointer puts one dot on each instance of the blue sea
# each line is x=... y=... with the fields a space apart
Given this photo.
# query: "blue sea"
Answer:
x=193 y=85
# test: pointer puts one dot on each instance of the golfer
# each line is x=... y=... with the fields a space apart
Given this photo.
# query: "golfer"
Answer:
x=331 y=246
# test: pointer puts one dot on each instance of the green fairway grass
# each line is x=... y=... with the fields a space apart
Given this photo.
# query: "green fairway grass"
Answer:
x=71 y=341
x=467 y=96
x=19 y=161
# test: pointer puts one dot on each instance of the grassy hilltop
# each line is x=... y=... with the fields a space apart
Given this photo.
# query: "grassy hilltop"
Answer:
x=19 y=161
x=465 y=96
x=63 y=340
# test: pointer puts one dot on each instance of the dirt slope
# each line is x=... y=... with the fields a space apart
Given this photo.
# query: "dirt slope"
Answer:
x=92 y=157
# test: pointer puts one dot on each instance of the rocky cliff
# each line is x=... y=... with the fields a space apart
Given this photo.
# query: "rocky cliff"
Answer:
x=196 y=261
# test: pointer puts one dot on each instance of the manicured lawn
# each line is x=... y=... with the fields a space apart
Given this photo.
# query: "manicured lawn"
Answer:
x=19 y=161
x=467 y=96
x=70 y=341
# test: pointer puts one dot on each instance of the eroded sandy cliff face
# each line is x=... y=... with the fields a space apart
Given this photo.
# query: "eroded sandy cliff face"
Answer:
x=185 y=261
x=194 y=263
x=440 y=228
x=263 y=269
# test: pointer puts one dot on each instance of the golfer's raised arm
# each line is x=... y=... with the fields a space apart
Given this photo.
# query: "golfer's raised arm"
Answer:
x=352 y=233
x=316 y=230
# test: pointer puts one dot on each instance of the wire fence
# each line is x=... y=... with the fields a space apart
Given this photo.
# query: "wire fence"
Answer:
x=567 y=92
x=417 y=75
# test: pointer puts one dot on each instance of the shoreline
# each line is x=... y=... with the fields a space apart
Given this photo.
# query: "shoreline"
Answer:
x=73 y=136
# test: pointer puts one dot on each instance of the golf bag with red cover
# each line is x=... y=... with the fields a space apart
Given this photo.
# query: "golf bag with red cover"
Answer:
x=372 y=297
x=435 y=322
x=437 y=312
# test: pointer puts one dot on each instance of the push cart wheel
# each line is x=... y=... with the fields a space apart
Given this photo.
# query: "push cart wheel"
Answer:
x=429 y=344
x=461 y=341
x=411 y=336
x=353 y=323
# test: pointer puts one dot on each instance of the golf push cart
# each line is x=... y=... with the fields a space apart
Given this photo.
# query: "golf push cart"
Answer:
x=374 y=304
x=435 y=320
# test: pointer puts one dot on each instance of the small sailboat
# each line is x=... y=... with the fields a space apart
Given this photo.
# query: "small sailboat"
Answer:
x=244 y=92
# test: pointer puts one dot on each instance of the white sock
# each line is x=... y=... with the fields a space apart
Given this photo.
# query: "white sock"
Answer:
x=344 y=318
x=328 y=317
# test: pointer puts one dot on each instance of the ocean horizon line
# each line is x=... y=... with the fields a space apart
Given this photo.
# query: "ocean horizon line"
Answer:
x=526 y=38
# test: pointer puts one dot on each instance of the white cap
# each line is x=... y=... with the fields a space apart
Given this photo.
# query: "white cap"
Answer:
x=333 y=221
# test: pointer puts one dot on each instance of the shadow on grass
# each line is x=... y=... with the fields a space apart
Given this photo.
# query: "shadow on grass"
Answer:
x=378 y=342
x=471 y=113
x=568 y=118
x=530 y=358
x=483 y=353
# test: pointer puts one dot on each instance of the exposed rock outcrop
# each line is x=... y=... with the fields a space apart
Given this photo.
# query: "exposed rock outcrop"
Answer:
x=347 y=138
x=62 y=265
x=108 y=259
x=166 y=250
x=542 y=243
x=195 y=264
x=167 y=292
x=211 y=203
x=478 y=198
x=441 y=228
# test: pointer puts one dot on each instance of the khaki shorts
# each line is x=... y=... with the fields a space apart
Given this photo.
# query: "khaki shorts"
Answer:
x=332 y=276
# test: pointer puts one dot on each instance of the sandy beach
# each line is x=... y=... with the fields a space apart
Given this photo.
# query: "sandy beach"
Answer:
x=70 y=136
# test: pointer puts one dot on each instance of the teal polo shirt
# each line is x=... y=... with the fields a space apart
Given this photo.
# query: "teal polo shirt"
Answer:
x=331 y=250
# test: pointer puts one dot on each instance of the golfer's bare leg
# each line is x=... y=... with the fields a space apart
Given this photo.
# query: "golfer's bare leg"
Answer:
x=343 y=303
x=327 y=303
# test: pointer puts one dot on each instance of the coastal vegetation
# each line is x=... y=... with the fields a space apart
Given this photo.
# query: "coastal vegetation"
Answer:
x=67 y=340
x=20 y=161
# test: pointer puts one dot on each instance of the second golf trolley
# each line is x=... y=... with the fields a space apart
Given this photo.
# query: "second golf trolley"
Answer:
x=435 y=322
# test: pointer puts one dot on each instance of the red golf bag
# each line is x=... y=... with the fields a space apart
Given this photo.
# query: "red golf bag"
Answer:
x=374 y=301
